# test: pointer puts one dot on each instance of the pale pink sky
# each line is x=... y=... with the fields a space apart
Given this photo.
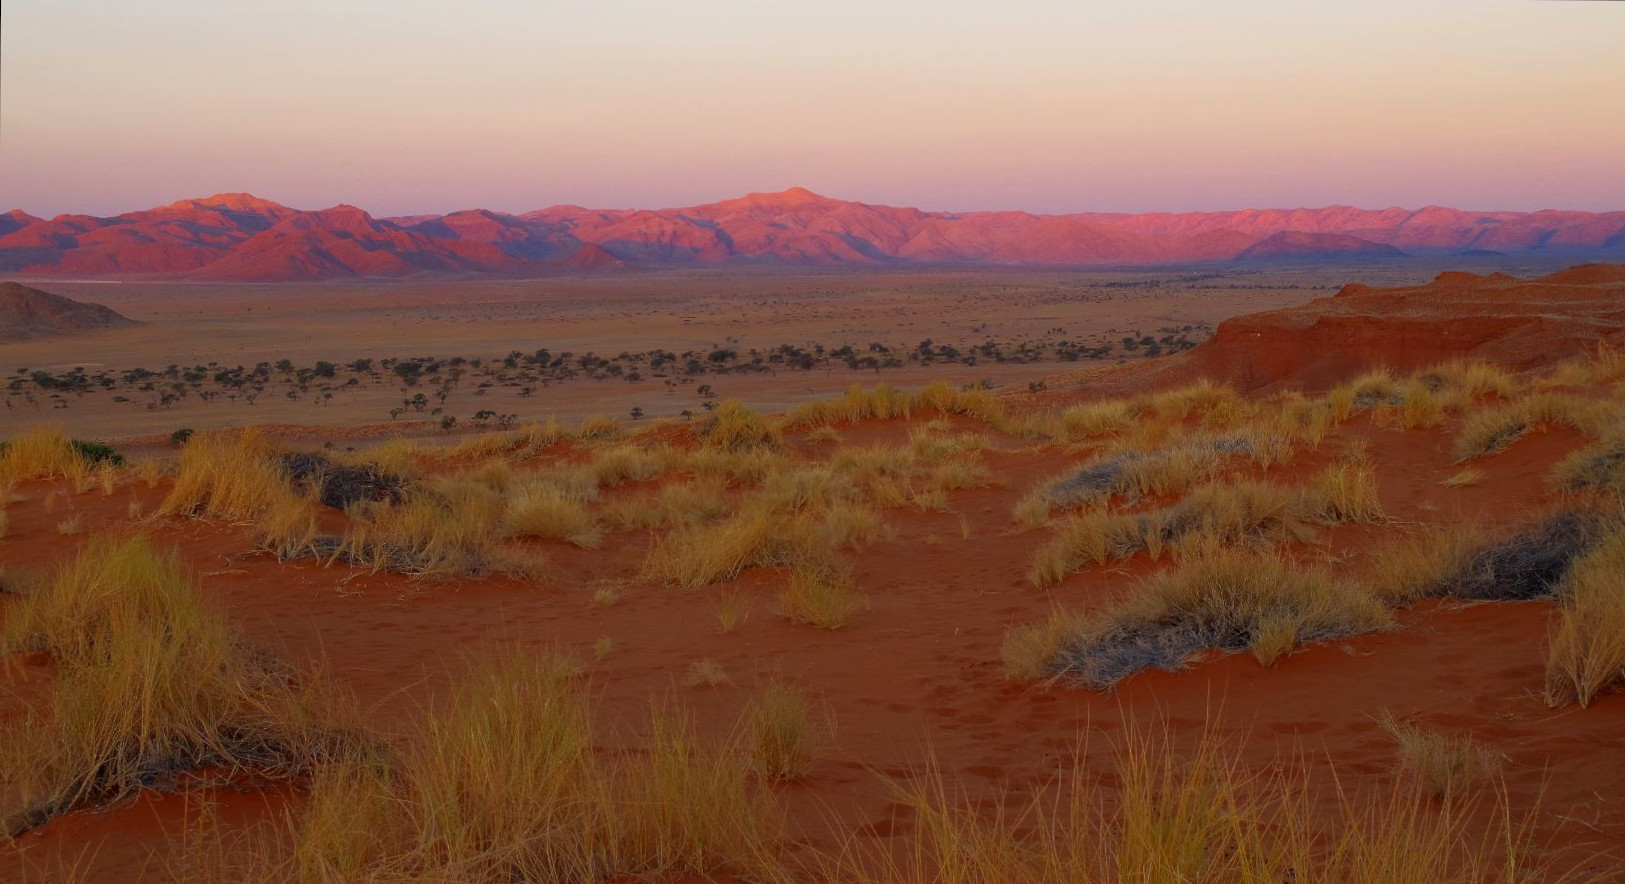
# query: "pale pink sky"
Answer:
x=412 y=106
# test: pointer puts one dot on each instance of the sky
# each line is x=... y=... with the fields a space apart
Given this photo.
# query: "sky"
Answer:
x=410 y=106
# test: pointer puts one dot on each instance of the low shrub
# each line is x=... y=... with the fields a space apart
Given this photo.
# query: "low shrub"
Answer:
x=1222 y=599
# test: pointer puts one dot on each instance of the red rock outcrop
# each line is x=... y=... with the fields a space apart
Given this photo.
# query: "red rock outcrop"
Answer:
x=1516 y=323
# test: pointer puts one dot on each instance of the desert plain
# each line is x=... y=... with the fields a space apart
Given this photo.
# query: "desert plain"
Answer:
x=1142 y=575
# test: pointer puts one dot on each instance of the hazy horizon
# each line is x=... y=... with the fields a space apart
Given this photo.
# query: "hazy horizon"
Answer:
x=1048 y=107
x=837 y=197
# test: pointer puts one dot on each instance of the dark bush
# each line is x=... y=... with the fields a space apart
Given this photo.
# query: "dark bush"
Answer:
x=1530 y=564
x=95 y=453
x=339 y=485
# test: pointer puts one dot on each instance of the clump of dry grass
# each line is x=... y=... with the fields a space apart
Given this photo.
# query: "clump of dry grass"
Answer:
x=225 y=476
x=1096 y=420
x=1491 y=430
x=150 y=686
x=1214 y=514
x=856 y=404
x=1530 y=564
x=781 y=733
x=1345 y=492
x=1465 y=479
x=695 y=502
x=979 y=404
x=733 y=427
x=527 y=441
x=733 y=609
x=1188 y=815
x=288 y=527
x=543 y=512
x=756 y=536
x=706 y=673
x=40 y=453
x=822 y=600
x=1604 y=365
x=1471 y=379
x=1200 y=400
x=1161 y=471
x=1409 y=565
x=626 y=463
x=1221 y=598
x=444 y=529
x=503 y=785
x=1442 y=765
x=823 y=434
x=1600 y=467
x=700 y=555
x=600 y=429
x=1586 y=652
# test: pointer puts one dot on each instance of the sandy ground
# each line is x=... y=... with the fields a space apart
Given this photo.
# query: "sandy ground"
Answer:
x=919 y=672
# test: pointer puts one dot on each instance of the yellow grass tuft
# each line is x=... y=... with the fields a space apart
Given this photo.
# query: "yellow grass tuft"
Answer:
x=40 y=453
x=821 y=600
x=1214 y=514
x=756 y=536
x=527 y=441
x=1345 y=492
x=974 y=403
x=1466 y=478
x=1491 y=430
x=150 y=685
x=699 y=501
x=601 y=429
x=543 y=512
x=1586 y=653
x=288 y=527
x=1442 y=765
x=781 y=733
x=1198 y=400
x=1221 y=598
x=447 y=529
x=232 y=477
x=1188 y=815
x=733 y=427
x=1407 y=566
x=626 y=463
x=733 y=609
x=857 y=404
x=1095 y=420
x=503 y=785
x=1599 y=467
x=706 y=673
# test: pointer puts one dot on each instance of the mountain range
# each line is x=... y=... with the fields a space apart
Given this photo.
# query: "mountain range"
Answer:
x=237 y=237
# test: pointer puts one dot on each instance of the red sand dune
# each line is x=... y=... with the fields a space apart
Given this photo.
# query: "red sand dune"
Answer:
x=239 y=237
x=1522 y=324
